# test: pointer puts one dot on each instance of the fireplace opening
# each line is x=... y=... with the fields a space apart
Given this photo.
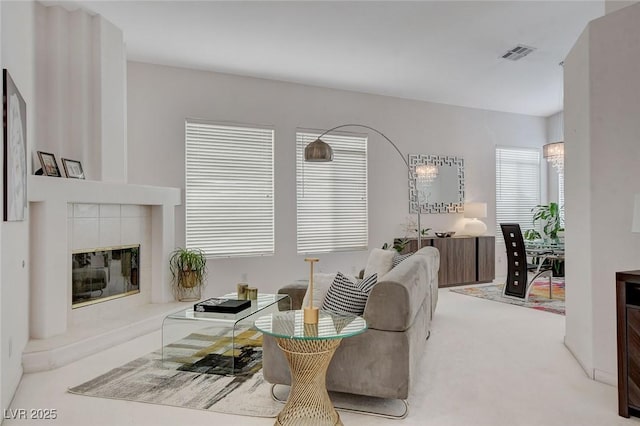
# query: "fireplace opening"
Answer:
x=105 y=273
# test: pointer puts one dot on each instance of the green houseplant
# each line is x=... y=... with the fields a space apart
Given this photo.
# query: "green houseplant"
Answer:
x=399 y=244
x=188 y=270
x=550 y=214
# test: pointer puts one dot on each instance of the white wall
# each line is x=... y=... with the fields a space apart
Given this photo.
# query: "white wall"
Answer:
x=80 y=84
x=611 y=6
x=18 y=57
x=602 y=110
x=110 y=63
x=160 y=98
x=579 y=294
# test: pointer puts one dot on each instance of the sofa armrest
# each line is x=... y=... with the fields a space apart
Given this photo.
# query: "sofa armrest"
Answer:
x=395 y=301
x=296 y=292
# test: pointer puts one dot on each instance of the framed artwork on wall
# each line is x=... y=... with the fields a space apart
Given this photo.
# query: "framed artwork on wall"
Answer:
x=14 y=127
x=72 y=168
x=49 y=164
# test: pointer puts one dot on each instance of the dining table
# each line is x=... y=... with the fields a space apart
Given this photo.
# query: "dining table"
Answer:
x=547 y=255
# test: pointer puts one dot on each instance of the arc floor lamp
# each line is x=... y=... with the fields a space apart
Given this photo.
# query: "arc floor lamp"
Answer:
x=320 y=151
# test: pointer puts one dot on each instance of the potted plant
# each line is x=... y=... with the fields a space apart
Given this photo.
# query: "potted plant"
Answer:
x=188 y=270
x=399 y=244
x=550 y=214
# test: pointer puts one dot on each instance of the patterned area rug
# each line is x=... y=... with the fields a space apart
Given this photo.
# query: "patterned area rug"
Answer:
x=185 y=379
x=211 y=351
x=538 y=297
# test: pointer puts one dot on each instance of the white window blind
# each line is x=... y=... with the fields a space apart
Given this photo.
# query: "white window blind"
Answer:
x=517 y=187
x=332 y=196
x=229 y=189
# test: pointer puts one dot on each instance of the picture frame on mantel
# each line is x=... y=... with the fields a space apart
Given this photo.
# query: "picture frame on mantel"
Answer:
x=14 y=126
x=72 y=168
x=49 y=164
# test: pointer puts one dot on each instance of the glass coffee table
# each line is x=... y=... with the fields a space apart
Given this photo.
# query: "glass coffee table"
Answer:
x=309 y=349
x=217 y=343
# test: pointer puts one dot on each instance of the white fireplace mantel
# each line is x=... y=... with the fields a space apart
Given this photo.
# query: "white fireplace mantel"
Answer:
x=50 y=246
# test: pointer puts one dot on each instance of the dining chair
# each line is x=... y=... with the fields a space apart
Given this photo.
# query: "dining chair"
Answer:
x=518 y=268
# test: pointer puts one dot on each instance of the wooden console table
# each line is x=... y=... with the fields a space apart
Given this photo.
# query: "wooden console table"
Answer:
x=463 y=260
x=628 y=319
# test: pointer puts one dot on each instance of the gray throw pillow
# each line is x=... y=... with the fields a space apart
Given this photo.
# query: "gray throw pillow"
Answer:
x=346 y=296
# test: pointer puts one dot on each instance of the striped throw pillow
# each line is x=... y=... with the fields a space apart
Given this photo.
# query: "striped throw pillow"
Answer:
x=399 y=258
x=346 y=296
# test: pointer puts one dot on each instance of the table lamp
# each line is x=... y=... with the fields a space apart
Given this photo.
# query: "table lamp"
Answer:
x=473 y=211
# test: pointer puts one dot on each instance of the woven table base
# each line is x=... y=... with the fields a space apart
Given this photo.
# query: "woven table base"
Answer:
x=308 y=402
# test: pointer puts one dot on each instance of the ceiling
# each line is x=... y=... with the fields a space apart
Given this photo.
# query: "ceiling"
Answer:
x=447 y=51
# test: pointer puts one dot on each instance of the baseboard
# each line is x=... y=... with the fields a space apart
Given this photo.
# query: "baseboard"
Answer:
x=10 y=392
x=588 y=370
x=593 y=373
x=605 y=377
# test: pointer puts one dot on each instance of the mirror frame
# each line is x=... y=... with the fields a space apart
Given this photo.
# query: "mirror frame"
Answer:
x=436 y=160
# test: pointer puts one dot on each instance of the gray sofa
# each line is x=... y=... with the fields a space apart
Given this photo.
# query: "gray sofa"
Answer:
x=383 y=361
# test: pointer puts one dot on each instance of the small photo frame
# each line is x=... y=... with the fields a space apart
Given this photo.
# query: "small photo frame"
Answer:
x=49 y=164
x=72 y=168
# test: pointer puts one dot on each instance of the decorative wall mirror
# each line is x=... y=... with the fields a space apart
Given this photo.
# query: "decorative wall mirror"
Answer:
x=445 y=193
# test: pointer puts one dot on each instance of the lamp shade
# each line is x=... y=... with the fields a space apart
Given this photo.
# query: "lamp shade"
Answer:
x=635 y=225
x=475 y=210
x=318 y=151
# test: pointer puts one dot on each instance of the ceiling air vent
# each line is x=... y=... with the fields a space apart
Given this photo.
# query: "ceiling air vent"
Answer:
x=518 y=52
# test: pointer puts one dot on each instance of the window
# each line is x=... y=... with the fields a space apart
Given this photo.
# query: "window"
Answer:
x=517 y=187
x=229 y=189
x=332 y=197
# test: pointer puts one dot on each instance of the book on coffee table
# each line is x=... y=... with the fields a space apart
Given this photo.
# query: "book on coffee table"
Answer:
x=221 y=305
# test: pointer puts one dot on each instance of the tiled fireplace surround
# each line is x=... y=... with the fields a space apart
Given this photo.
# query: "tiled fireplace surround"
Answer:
x=91 y=226
x=69 y=214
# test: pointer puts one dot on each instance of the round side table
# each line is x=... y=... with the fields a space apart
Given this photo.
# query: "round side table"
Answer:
x=309 y=349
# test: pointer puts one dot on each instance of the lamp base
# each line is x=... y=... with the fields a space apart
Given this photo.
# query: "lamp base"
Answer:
x=311 y=315
x=475 y=228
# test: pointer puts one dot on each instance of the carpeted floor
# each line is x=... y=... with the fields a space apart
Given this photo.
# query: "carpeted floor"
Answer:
x=193 y=376
x=538 y=298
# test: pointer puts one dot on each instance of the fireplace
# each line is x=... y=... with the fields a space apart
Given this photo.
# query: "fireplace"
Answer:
x=73 y=215
x=102 y=274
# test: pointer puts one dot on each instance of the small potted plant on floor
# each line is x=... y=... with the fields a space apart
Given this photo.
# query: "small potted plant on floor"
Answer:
x=188 y=269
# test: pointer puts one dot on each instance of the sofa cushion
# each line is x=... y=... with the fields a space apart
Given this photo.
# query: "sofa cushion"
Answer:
x=379 y=262
x=346 y=296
